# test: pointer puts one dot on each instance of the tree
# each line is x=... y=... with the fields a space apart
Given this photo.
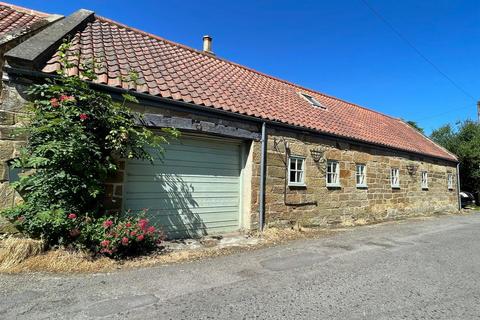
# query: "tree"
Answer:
x=463 y=140
x=415 y=125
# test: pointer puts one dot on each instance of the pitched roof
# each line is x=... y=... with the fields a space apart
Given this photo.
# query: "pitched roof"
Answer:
x=174 y=71
x=14 y=18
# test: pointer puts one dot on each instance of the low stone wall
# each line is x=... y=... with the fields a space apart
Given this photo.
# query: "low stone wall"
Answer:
x=379 y=201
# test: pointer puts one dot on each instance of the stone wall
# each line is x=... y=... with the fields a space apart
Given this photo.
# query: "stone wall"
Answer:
x=379 y=201
x=12 y=116
x=12 y=104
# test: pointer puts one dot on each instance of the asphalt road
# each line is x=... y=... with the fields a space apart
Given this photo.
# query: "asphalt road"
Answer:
x=409 y=270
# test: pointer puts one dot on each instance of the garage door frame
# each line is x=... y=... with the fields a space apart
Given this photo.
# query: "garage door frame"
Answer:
x=244 y=186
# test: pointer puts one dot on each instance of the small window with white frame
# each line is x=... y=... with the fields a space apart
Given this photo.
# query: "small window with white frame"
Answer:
x=424 y=180
x=395 y=177
x=333 y=173
x=450 y=181
x=361 y=175
x=314 y=102
x=296 y=171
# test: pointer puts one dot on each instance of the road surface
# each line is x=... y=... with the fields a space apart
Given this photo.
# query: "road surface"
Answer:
x=416 y=269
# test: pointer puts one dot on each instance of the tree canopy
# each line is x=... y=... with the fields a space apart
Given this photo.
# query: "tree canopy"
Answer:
x=463 y=139
x=415 y=125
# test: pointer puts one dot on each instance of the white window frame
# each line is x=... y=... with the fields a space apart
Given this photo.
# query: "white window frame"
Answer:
x=395 y=178
x=299 y=174
x=312 y=100
x=361 y=174
x=424 y=180
x=335 y=174
x=450 y=181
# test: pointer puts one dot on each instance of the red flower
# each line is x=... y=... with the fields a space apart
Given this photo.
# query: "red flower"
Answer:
x=105 y=243
x=74 y=233
x=128 y=224
x=124 y=241
x=140 y=237
x=72 y=216
x=142 y=223
x=54 y=102
x=83 y=116
x=151 y=229
x=133 y=233
x=107 y=251
x=107 y=223
x=66 y=98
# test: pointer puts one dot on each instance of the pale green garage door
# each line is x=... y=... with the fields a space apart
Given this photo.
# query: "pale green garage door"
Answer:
x=194 y=191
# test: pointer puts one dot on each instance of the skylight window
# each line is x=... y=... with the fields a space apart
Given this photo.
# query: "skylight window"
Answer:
x=314 y=102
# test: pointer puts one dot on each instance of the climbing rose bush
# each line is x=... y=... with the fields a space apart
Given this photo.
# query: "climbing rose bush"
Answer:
x=74 y=136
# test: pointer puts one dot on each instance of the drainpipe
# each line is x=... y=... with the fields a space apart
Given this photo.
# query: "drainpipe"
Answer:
x=458 y=187
x=263 y=169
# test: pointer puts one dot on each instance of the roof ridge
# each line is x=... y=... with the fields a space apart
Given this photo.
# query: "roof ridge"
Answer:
x=148 y=34
x=26 y=10
x=428 y=138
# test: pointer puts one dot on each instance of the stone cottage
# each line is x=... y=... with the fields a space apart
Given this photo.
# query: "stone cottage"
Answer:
x=254 y=149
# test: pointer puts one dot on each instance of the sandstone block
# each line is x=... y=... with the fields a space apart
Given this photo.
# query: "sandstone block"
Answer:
x=6 y=150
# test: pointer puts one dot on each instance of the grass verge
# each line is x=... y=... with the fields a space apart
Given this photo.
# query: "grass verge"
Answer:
x=26 y=255
x=14 y=251
x=64 y=261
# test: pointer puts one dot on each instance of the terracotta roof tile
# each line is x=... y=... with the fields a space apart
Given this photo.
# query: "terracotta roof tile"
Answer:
x=174 y=71
x=13 y=18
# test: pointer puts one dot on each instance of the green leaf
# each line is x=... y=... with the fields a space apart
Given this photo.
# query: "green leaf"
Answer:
x=129 y=98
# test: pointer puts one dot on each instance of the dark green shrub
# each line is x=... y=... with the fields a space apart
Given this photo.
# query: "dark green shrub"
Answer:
x=55 y=226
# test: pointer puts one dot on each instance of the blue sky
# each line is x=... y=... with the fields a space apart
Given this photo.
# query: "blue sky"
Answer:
x=337 y=47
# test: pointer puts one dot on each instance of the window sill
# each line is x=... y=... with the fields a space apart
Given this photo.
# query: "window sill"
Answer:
x=395 y=187
x=297 y=185
x=334 y=186
x=425 y=189
x=362 y=186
